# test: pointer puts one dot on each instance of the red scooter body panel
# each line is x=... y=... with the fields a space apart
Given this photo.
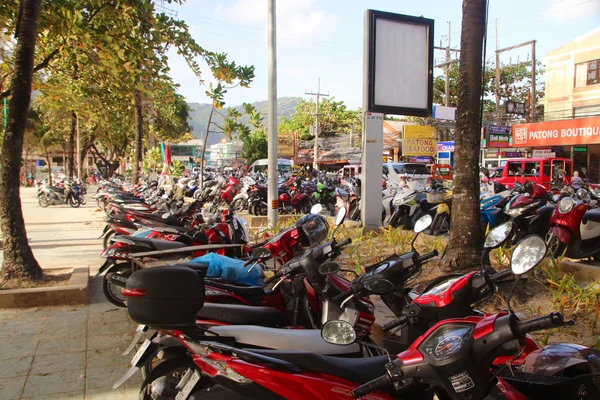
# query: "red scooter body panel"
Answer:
x=444 y=298
x=571 y=220
x=562 y=233
x=307 y=385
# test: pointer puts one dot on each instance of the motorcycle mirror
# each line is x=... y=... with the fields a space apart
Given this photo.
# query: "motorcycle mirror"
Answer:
x=340 y=216
x=261 y=252
x=498 y=235
x=527 y=254
x=338 y=332
x=316 y=209
x=378 y=285
x=423 y=223
x=328 y=268
x=485 y=171
x=582 y=194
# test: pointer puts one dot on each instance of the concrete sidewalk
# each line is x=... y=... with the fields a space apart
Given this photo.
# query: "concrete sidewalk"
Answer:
x=56 y=353
x=66 y=352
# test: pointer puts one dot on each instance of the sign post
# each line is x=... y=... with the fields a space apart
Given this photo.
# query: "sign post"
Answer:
x=398 y=80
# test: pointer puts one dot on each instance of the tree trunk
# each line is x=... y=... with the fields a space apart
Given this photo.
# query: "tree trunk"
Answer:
x=19 y=261
x=139 y=134
x=212 y=111
x=70 y=170
x=466 y=236
x=49 y=162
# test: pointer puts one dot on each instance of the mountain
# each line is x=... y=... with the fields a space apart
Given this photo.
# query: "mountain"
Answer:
x=199 y=113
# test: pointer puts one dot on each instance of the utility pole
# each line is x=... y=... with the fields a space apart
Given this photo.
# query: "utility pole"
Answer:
x=532 y=108
x=317 y=130
x=497 y=74
x=446 y=66
x=272 y=192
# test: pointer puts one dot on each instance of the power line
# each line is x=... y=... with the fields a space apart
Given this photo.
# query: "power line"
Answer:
x=317 y=128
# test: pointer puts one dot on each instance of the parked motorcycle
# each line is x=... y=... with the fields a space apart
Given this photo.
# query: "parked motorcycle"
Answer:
x=575 y=225
x=50 y=195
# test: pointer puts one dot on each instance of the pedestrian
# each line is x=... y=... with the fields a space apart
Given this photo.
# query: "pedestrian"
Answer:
x=576 y=180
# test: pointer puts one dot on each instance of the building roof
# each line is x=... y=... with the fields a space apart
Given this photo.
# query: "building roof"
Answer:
x=193 y=142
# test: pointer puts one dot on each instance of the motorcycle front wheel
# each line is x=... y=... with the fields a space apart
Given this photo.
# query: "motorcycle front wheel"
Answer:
x=73 y=202
x=556 y=248
x=238 y=205
x=44 y=201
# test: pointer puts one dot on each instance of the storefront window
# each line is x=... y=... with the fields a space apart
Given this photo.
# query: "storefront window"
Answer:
x=587 y=73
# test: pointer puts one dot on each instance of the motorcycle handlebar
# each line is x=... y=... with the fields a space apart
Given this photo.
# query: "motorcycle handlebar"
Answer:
x=427 y=256
x=371 y=386
x=337 y=246
x=342 y=296
x=397 y=322
x=552 y=320
x=501 y=275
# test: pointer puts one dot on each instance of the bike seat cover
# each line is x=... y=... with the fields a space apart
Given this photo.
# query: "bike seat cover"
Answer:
x=592 y=215
x=358 y=370
x=241 y=290
x=240 y=314
x=284 y=339
x=157 y=244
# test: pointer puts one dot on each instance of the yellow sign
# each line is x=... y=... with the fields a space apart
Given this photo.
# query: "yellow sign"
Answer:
x=419 y=141
x=287 y=146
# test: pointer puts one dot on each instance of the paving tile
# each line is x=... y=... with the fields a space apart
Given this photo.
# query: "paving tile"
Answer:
x=78 y=395
x=17 y=348
x=61 y=344
x=53 y=383
x=128 y=391
x=16 y=367
x=47 y=364
x=105 y=378
x=118 y=342
x=11 y=388
x=100 y=358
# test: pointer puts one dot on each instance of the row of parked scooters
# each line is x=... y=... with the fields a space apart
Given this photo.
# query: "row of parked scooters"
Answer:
x=568 y=218
x=306 y=332
x=279 y=319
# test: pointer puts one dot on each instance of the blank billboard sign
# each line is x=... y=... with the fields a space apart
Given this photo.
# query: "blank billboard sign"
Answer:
x=400 y=63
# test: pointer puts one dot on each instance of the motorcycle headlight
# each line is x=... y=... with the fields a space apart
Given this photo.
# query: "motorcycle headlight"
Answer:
x=447 y=341
x=566 y=205
x=513 y=212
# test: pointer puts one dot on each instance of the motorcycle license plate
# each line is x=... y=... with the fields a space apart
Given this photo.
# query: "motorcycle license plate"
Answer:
x=138 y=356
x=189 y=386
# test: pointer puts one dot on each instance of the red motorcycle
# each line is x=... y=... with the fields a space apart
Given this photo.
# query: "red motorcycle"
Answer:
x=231 y=189
x=446 y=361
x=575 y=225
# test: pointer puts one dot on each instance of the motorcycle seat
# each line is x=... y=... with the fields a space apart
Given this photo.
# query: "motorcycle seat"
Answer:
x=591 y=215
x=358 y=370
x=342 y=193
x=240 y=315
x=241 y=290
x=283 y=339
x=57 y=189
x=196 y=266
x=156 y=243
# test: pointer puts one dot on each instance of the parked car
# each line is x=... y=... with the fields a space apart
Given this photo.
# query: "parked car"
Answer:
x=540 y=170
x=398 y=171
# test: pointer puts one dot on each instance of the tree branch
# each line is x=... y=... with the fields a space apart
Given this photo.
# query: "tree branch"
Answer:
x=46 y=61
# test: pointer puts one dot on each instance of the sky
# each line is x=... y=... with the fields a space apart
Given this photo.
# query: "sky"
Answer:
x=323 y=38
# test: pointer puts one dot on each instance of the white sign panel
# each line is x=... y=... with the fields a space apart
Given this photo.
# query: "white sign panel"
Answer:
x=399 y=57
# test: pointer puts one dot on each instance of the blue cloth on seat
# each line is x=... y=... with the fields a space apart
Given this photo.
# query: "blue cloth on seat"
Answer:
x=231 y=269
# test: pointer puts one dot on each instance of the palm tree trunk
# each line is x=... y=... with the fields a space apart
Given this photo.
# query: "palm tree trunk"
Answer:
x=466 y=236
x=19 y=261
x=139 y=134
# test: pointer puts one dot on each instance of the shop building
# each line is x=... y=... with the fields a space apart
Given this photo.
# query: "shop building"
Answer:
x=573 y=79
x=577 y=139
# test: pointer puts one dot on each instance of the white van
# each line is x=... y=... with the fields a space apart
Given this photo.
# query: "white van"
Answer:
x=284 y=165
x=395 y=172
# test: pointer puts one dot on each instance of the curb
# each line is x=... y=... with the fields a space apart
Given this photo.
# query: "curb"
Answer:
x=75 y=293
x=583 y=272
